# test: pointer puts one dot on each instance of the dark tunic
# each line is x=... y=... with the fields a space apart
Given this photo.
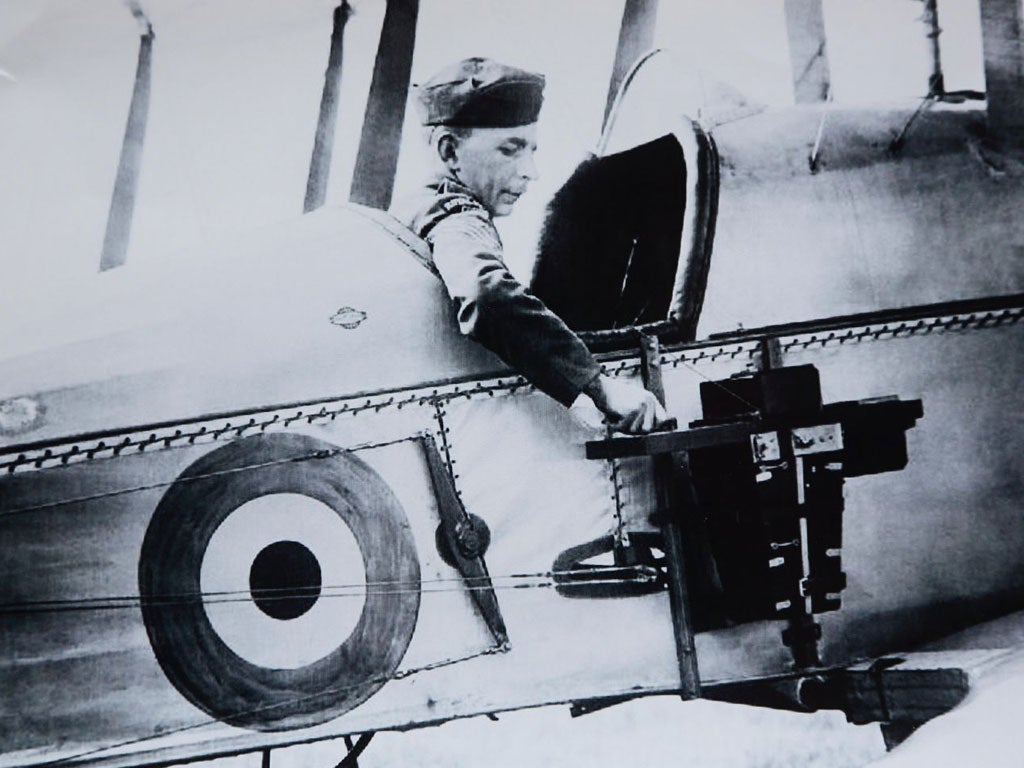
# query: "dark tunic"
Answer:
x=492 y=307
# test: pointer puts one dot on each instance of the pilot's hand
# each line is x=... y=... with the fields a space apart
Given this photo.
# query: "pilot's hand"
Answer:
x=627 y=406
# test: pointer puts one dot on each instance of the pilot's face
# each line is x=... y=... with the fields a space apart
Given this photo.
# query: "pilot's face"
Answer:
x=497 y=164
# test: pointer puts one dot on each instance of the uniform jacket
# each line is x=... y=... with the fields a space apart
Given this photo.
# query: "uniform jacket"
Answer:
x=491 y=306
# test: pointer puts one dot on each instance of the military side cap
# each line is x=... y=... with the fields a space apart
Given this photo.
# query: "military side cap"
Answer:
x=481 y=93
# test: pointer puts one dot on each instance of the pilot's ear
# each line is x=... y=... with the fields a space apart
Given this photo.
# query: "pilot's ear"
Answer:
x=447 y=145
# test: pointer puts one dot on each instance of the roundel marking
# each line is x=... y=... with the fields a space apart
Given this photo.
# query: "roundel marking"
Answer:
x=192 y=653
x=225 y=577
x=285 y=580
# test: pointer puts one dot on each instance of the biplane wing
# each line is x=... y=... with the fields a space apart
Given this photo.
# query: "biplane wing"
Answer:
x=954 y=700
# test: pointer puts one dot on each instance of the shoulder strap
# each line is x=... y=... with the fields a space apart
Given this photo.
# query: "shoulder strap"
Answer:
x=447 y=206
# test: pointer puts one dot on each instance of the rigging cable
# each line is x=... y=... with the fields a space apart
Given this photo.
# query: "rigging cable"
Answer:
x=613 y=574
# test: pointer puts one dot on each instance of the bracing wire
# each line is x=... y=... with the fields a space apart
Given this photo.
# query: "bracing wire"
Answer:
x=290 y=702
x=718 y=384
x=323 y=454
x=958 y=322
x=611 y=574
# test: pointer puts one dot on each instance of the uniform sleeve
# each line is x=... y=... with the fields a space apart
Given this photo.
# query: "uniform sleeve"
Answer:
x=496 y=310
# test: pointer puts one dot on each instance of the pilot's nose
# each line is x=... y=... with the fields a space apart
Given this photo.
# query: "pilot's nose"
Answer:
x=528 y=167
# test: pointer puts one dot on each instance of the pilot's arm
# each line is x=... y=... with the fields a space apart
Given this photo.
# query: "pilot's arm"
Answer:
x=495 y=309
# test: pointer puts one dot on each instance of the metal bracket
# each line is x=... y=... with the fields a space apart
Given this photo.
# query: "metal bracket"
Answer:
x=637 y=570
x=667 y=473
x=455 y=521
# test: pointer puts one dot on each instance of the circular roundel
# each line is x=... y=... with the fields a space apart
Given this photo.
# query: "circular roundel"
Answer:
x=261 y=525
x=284 y=580
x=263 y=594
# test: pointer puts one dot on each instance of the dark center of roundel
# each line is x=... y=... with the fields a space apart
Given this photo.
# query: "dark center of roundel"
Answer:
x=285 y=580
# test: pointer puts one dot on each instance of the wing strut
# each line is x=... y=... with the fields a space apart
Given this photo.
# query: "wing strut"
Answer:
x=636 y=37
x=323 y=144
x=808 y=50
x=374 y=176
x=122 y=203
x=1001 y=22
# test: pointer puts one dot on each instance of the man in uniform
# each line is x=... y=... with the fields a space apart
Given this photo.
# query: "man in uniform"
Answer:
x=481 y=118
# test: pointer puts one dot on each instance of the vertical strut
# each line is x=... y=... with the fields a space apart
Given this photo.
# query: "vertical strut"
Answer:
x=670 y=520
x=323 y=143
x=808 y=50
x=374 y=175
x=122 y=202
x=1003 y=48
x=636 y=36
x=670 y=517
x=936 y=82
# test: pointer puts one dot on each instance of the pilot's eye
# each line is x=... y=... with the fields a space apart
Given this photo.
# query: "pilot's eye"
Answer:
x=508 y=150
